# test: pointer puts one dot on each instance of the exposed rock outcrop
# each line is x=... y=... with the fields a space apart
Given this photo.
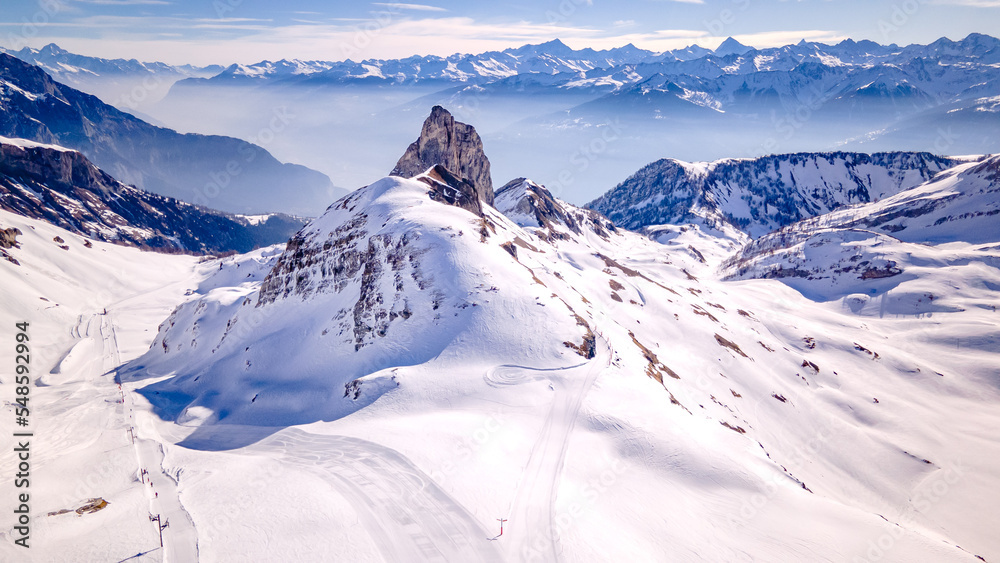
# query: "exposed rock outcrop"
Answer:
x=8 y=237
x=452 y=144
x=450 y=189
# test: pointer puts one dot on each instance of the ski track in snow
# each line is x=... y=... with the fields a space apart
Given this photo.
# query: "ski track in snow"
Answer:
x=406 y=513
x=410 y=518
x=180 y=540
x=530 y=534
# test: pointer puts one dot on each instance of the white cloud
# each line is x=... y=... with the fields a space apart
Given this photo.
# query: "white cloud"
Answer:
x=415 y=7
x=395 y=35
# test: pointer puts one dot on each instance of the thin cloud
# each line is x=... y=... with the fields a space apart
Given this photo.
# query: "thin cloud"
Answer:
x=414 y=7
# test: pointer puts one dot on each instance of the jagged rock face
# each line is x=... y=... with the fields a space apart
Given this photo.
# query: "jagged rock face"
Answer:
x=522 y=200
x=958 y=205
x=62 y=187
x=452 y=190
x=760 y=195
x=376 y=268
x=454 y=145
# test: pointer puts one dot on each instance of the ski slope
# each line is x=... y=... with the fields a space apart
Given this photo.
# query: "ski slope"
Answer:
x=89 y=309
x=407 y=372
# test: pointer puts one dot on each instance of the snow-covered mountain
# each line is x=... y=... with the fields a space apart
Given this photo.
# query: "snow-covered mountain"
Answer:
x=62 y=187
x=539 y=107
x=555 y=58
x=128 y=84
x=760 y=195
x=929 y=235
x=64 y=66
x=420 y=362
x=221 y=172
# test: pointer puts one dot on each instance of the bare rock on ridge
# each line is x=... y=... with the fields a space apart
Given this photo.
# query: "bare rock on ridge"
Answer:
x=452 y=144
x=8 y=237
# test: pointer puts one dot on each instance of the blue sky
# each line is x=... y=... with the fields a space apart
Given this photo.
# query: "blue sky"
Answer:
x=225 y=31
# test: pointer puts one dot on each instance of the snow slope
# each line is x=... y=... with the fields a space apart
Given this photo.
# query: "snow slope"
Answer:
x=760 y=195
x=408 y=371
x=941 y=227
x=90 y=308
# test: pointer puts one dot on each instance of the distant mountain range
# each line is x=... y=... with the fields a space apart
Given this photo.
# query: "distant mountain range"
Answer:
x=216 y=171
x=535 y=104
x=125 y=83
x=577 y=67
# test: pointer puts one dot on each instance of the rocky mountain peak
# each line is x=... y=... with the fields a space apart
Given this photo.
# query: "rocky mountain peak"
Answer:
x=455 y=146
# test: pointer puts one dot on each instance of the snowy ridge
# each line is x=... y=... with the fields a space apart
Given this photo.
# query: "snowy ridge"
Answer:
x=555 y=58
x=61 y=186
x=949 y=222
x=760 y=195
x=395 y=323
